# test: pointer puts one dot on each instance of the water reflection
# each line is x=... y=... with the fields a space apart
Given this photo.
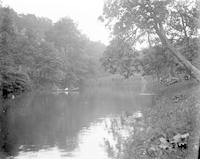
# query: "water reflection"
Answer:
x=90 y=145
x=125 y=131
x=62 y=126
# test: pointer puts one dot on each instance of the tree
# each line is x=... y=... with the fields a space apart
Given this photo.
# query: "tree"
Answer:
x=120 y=58
x=7 y=37
x=34 y=51
x=74 y=49
x=135 y=19
x=12 y=81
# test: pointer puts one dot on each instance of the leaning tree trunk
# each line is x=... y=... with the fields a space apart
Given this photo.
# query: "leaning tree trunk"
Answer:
x=195 y=71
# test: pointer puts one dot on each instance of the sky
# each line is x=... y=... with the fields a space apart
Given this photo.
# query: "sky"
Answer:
x=84 y=12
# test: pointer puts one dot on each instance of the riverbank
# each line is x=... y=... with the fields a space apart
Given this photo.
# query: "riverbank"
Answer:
x=176 y=112
x=169 y=128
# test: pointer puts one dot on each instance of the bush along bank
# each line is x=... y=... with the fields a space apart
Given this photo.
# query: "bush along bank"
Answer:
x=168 y=130
x=13 y=84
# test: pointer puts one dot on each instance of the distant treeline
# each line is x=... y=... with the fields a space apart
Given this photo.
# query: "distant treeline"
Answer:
x=37 y=53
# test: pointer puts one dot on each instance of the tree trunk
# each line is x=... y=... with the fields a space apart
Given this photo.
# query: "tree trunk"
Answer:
x=195 y=71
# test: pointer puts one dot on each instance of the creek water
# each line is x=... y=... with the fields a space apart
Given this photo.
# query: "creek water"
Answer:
x=64 y=126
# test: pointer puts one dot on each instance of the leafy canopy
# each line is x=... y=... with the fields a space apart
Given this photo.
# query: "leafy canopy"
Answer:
x=153 y=24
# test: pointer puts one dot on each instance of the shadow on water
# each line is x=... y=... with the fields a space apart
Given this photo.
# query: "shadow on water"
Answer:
x=62 y=125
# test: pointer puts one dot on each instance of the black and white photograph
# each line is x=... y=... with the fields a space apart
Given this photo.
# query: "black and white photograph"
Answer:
x=99 y=79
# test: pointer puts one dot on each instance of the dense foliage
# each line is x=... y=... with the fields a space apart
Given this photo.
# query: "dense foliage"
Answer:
x=40 y=53
x=120 y=58
x=167 y=29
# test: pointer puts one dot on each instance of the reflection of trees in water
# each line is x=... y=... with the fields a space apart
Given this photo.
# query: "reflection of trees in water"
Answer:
x=35 y=124
x=43 y=121
x=126 y=131
x=8 y=142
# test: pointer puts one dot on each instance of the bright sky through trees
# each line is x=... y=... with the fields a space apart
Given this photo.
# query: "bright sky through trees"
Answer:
x=84 y=12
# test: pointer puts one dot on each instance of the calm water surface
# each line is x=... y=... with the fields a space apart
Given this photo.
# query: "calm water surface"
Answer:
x=61 y=126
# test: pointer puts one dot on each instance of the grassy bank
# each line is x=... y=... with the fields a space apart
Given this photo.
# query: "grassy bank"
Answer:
x=169 y=128
x=176 y=112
